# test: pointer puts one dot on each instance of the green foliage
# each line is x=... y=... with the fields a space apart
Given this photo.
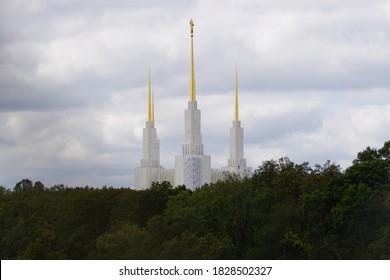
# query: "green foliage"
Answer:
x=295 y=248
x=284 y=211
x=380 y=248
x=43 y=247
x=190 y=246
x=127 y=242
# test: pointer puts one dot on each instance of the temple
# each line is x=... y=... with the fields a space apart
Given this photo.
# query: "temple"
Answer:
x=236 y=161
x=192 y=166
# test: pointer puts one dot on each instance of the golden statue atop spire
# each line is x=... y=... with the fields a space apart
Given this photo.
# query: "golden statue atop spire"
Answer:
x=236 y=118
x=192 y=83
x=192 y=27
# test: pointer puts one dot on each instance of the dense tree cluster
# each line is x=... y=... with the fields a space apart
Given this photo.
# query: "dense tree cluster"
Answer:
x=284 y=211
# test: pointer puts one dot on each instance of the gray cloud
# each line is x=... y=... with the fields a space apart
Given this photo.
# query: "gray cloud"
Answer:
x=73 y=81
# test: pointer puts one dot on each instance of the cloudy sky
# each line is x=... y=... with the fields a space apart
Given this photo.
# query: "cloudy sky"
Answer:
x=314 y=82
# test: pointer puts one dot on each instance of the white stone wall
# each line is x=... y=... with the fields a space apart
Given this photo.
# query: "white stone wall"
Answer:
x=236 y=161
x=168 y=175
x=193 y=171
x=217 y=175
x=144 y=176
x=236 y=141
x=238 y=170
x=192 y=125
x=151 y=146
x=192 y=167
x=150 y=169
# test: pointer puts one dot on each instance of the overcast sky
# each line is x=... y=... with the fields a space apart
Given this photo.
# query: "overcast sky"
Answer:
x=314 y=82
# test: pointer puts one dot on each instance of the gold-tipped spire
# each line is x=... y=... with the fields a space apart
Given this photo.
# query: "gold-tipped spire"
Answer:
x=236 y=117
x=152 y=105
x=192 y=82
x=150 y=117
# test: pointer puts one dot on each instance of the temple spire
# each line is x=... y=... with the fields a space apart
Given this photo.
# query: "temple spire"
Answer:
x=236 y=117
x=192 y=82
x=150 y=116
x=152 y=106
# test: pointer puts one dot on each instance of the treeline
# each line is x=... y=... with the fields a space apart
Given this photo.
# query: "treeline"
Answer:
x=284 y=211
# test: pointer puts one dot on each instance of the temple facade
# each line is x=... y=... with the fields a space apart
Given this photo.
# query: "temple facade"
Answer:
x=192 y=166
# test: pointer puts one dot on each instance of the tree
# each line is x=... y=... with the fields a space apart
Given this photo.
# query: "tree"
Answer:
x=126 y=242
x=43 y=247
x=23 y=185
x=190 y=246
x=379 y=249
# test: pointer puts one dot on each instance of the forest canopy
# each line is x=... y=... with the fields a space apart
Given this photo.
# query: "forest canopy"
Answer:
x=284 y=211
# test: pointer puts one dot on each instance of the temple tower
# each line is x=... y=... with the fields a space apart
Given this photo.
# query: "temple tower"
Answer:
x=192 y=167
x=150 y=168
x=236 y=161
